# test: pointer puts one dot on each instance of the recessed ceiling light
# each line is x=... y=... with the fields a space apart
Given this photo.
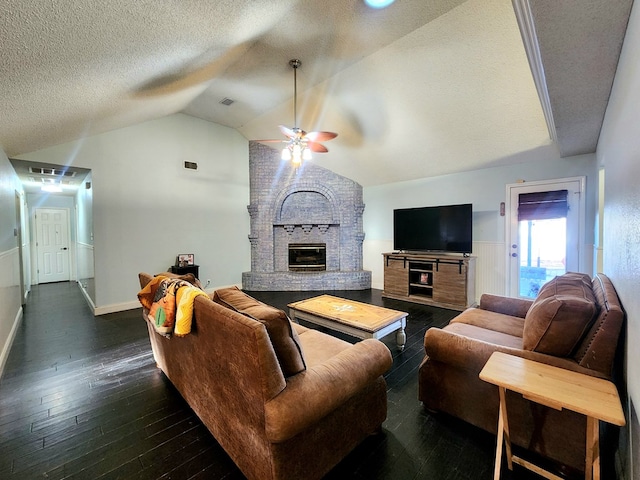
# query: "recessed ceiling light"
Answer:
x=378 y=3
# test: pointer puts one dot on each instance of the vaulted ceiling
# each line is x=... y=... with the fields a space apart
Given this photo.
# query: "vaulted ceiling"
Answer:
x=418 y=89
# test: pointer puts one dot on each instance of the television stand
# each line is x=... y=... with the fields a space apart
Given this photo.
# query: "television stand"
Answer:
x=441 y=280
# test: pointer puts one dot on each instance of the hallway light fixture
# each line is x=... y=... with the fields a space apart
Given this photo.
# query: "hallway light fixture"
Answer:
x=51 y=188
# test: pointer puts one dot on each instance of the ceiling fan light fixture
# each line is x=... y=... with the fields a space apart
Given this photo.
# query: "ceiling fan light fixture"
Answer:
x=296 y=155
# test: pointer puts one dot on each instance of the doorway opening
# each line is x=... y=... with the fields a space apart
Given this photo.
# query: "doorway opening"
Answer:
x=58 y=243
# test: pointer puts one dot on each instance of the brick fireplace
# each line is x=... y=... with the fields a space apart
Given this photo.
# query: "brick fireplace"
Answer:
x=310 y=211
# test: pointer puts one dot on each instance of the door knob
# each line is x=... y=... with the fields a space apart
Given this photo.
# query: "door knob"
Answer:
x=514 y=254
x=64 y=248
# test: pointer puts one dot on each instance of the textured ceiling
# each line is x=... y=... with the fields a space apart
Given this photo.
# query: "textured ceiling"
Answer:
x=421 y=88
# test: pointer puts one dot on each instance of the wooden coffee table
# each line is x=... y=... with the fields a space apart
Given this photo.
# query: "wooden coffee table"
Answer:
x=357 y=319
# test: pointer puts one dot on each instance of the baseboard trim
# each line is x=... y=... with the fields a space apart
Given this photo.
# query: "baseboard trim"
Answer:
x=12 y=335
x=116 y=307
x=87 y=297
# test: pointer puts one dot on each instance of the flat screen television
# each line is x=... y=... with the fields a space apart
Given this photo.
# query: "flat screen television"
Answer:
x=445 y=228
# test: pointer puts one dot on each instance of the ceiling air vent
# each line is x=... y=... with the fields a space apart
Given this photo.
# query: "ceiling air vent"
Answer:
x=227 y=101
x=56 y=172
x=191 y=165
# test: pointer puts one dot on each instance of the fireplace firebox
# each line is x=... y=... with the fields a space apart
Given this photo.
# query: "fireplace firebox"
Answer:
x=307 y=257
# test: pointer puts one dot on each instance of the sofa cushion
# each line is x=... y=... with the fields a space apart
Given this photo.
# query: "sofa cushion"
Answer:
x=560 y=315
x=319 y=347
x=493 y=321
x=284 y=338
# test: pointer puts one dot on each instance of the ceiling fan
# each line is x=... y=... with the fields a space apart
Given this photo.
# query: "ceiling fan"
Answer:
x=300 y=144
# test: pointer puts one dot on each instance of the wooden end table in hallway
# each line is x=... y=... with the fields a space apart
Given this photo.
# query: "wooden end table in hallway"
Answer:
x=557 y=388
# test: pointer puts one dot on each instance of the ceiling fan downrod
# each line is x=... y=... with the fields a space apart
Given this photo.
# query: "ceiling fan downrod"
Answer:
x=295 y=64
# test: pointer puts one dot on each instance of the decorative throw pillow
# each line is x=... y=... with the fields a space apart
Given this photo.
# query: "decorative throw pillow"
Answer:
x=283 y=337
x=560 y=315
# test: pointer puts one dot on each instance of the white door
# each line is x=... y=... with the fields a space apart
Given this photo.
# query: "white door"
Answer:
x=52 y=244
x=543 y=241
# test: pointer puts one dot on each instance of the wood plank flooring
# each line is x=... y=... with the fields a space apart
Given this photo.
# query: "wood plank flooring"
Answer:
x=81 y=398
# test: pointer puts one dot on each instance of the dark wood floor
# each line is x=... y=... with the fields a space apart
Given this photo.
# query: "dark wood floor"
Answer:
x=81 y=398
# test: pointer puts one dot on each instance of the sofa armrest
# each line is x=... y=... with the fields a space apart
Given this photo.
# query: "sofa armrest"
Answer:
x=471 y=354
x=516 y=307
x=312 y=394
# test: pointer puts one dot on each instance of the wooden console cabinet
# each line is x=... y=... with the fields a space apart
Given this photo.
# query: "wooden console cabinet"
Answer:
x=441 y=280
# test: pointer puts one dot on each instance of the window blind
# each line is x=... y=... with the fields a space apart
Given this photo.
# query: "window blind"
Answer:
x=542 y=205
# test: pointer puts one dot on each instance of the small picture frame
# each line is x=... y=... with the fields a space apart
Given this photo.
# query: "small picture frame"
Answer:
x=184 y=259
x=424 y=278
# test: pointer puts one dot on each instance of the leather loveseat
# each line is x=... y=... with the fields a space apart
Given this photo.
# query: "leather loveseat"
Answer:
x=573 y=323
x=284 y=401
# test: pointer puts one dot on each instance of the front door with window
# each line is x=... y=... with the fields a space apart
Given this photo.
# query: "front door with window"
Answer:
x=544 y=232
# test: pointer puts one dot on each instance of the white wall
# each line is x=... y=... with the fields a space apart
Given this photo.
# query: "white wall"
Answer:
x=10 y=302
x=147 y=208
x=619 y=153
x=485 y=189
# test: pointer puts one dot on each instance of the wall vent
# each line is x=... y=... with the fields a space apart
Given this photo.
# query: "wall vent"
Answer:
x=191 y=165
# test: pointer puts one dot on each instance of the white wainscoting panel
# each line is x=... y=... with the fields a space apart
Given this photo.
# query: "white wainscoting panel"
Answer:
x=490 y=268
x=85 y=260
x=10 y=304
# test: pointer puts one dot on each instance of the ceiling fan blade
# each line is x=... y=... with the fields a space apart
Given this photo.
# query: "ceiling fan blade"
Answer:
x=187 y=77
x=317 y=147
x=287 y=132
x=320 y=136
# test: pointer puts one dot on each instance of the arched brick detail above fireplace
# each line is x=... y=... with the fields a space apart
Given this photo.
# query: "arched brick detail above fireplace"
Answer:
x=306 y=202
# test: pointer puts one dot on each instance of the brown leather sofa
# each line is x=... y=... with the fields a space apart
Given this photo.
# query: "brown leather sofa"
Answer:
x=573 y=323
x=284 y=401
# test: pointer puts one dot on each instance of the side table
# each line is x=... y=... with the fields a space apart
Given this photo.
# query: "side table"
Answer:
x=557 y=388
x=186 y=269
